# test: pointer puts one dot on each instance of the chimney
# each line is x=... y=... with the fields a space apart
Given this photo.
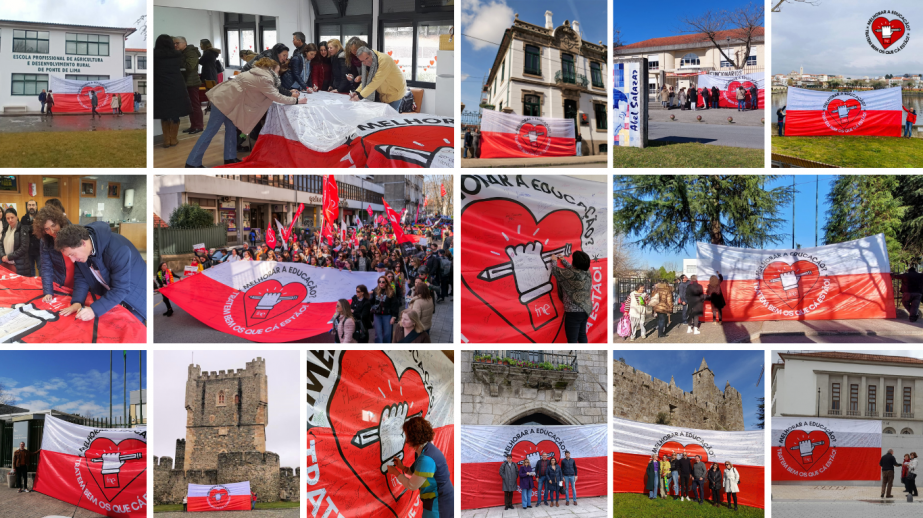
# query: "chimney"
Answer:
x=548 y=24
x=577 y=29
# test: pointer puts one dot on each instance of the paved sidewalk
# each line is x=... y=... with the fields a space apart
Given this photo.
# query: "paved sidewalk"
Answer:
x=712 y=116
x=844 y=510
x=259 y=513
x=565 y=161
x=36 y=505
x=596 y=507
x=782 y=492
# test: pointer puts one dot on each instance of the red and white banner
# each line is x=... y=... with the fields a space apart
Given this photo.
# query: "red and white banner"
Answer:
x=357 y=404
x=728 y=84
x=633 y=444
x=25 y=318
x=841 y=281
x=507 y=135
x=818 y=448
x=331 y=199
x=484 y=450
x=395 y=221
x=99 y=469
x=876 y=113
x=512 y=226
x=219 y=497
x=72 y=96
x=266 y=301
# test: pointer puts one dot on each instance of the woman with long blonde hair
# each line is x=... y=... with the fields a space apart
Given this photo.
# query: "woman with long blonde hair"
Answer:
x=385 y=308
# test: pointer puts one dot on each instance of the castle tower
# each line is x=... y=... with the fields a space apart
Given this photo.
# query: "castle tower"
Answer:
x=226 y=411
x=703 y=383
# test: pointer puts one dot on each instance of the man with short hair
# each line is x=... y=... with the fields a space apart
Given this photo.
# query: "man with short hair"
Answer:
x=508 y=474
x=681 y=297
x=21 y=466
x=41 y=99
x=108 y=266
x=698 y=473
x=685 y=472
x=569 y=470
x=301 y=69
x=34 y=254
x=887 y=464
x=541 y=468
x=190 y=71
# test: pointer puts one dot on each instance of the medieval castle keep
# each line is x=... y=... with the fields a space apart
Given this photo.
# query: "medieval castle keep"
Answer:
x=226 y=418
x=638 y=396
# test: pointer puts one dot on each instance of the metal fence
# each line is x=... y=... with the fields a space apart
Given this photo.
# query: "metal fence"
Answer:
x=471 y=120
x=175 y=241
x=554 y=359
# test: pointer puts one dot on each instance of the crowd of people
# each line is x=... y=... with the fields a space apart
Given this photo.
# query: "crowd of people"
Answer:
x=688 y=98
x=399 y=309
x=240 y=102
x=908 y=473
x=550 y=478
x=47 y=100
x=685 y=296
x=86 y=259
x=687 y=479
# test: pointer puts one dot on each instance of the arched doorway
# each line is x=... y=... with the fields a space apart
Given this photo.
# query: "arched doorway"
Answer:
x=537 y=418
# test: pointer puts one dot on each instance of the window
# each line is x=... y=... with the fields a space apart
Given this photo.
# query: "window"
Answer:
x=142 y=62
x=75 y=77
x=596 y=74
x=221 y=397
x=86 y=44
x=361 y=29
x=268 y=34
x=835 y=398
x=502 y=70
x=414 y=47
x=689 y=60
x=853 y=398
x=907 y=400
x=533 y=61
x=399 y=44
x=889 y=400
x=236 y=399
x=35 y=42
x=751 y=61
x=128 y=63
x=9 y=183
x=872 y=407
x=29 y=84
x=568 y=71
x=726 y=64
x=600 y=116
x=240 y=34
x=531 y=106
x=653 y=64
x=142 y=87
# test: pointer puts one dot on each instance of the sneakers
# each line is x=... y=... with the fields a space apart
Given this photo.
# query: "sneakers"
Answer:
x=688 y=329
x=697 y=332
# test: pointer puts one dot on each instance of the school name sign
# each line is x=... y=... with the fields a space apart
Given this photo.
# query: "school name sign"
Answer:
x=57 y=64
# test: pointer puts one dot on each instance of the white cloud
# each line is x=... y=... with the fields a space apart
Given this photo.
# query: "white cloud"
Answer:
x=486 y=21
x=464 y=76
x=118 y=13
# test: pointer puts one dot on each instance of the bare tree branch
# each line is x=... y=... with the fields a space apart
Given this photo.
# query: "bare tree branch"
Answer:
x=617 y=37
x=624 y=258
x=432 y=184
x=5 y=397
x=778 y=7
x=742 y=24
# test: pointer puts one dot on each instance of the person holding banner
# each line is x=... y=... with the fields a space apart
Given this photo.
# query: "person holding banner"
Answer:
x=344 y=323
x=21 y=466
x=741 y=98
x=716 y=297
x=911 y=120
x=164 y=278
x=780 y=114
x=715 y=483
x=731 y=479
x=526 y=483
x=429 y=472
x=508 y=474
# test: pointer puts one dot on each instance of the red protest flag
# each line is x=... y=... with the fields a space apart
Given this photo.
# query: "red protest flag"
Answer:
x=370 y=210
x=294 y=219
x=395 y=221
x=442 y=189
x=270 y=237
x=331 y=202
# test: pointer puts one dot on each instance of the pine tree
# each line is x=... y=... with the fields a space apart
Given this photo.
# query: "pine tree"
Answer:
x=910 y=189
x=761 y=413
x=670 y=212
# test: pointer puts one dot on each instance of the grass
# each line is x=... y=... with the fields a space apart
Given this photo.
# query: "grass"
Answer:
x=125 y=148
x=660 y=154
x=852 y=151
x=178 y=508
x=631 y=505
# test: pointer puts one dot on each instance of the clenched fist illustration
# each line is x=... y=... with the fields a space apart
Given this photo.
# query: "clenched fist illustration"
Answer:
x=533 y=282
x=391 y=433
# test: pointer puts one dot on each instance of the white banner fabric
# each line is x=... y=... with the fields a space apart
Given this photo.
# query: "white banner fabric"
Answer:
x=724 y=79
x=322 y=284
x=492 y=443
x=69 y=86
x=888 y=99
x=844 y=433
x=744 y=448
x=499 y=122
x=65 y=437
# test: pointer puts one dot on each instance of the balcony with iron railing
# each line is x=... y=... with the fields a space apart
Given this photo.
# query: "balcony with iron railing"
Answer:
x=906 y=415
x=570 y=80
x=525 y=369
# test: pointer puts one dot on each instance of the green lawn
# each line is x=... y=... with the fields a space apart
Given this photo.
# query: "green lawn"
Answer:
x=630 y=505
x=178 y=508
x=852 y=151
x=124 y=148
x=667 y=154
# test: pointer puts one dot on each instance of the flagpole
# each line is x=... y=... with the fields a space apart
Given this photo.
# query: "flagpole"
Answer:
x=124 y=383
x=793 y=211
x=110 y=387
x=140 y=391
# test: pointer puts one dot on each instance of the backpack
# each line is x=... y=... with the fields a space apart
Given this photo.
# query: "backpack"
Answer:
x=360 y=334
x=446 y=267
x=624 y=327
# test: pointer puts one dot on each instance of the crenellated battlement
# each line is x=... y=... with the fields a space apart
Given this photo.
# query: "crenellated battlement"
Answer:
x=253 y=368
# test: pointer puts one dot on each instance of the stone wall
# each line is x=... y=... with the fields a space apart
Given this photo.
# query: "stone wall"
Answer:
x=638 y=396
x=171 y=485
x=261 y=469
x=501 y=395
x=290 y=485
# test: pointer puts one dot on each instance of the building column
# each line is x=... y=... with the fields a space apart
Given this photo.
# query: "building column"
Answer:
x=882 y=396
x=863 y=396
x=899 y=399
x=239 y=218
x=844 y=395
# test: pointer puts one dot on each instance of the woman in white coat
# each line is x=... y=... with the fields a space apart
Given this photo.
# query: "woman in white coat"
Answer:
x=637 y=310
x=912 y=470
x=731 y=479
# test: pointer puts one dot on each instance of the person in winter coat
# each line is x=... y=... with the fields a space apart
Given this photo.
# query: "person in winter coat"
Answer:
x=321 y=69
x=569 y=471
x=715 y=295
x=278 y=53
x=385 y=79
x=385 y=308
x=190 y=72
x=240 y=104
x=116 y=105
x=55 y=268
x=14 y=244
x=298 y=76
x=423 y=304
x=741 y=98
x=576 y=285
x=662 y=302
x=410 y=329
x=94 y=103
x=43 y=95
x=171 y=100
x=715 y=96
x=361 y=306
x=526 y=483
x=49 y=102
x=681 y=99
x=695 y=295
x=699 y=472
x=637 y=311
x=681 y=289
x=508 y=474
x=468 y=144
x=706 y=98
x=340 y=68
x=693 y=97
x=754 y=97
x=683 y=468
x=664 y=96
x=345 y=323
x=164 y=278
x=651 y=476
x=911 y=120
x=554 y=484
x=731 y=479
x=911 y=291
x=715 y=484
x=780 y=114
x=912 y=472
x=209 y=61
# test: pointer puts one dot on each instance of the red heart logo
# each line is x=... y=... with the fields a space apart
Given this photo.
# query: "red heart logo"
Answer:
x=396 y=61
x=887 y=31
x=844 y=112
x=269 y=299
x=731 y=93
x=390 y=52
x=808 y=449
x=689 y=450
x=791 y=282
x=112 y=474
x=218 y=497
x=533 y=138
x=494 y=227
x=362 y=419
x=526 y=449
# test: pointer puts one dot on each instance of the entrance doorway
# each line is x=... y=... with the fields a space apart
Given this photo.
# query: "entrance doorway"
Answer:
x=537 y=419
x=570 y=112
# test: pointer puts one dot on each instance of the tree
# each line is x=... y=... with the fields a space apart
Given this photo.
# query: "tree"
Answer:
x=671 y=212
x=910 y=234
x=142 y=26
x=662 y=418
x=863 y=206
x=777 y=8
x=6 y=398
x=617 y=37
x=790 y=82
x=190 y=215
x=742 y=23
x=761 y=413
x=432 y=186
x=623 y=260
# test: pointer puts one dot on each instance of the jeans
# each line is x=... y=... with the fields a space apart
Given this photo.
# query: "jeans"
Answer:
x=396 y=105
x=699 y=488
x=542 y=482
x=570 y=485
x=781 y=127
x=526 y=498
x=43 y=107
x=551 y=492
x=575 y=327
x=137 y=106
x=662 y=324
x=908 y=129
x=465 y=152
x=22 y=477
x=756 y=103
x=740 y=105
x=911 y=302
x=685 y=313
x=579 y=147
x=215 y=122
x=382 y=329
x=714 y=103
x=675 y=476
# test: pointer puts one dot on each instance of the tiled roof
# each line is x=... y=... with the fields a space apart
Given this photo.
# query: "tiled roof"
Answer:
x=159 y=222
x=135 y=50
x=836 y=355
x=687 y=39
x=132 y=29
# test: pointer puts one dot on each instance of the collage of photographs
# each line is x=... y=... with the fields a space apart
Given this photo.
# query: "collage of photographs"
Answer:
x=125 y=317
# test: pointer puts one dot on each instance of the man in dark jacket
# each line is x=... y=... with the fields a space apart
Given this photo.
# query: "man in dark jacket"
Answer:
x=35 y=263
x=541 y=467
x=108 y=266
x=699 y=471
x=21 y=465
x=681 y=297
x=754 y=97
x=911 y=291
x=684 y=468
x=887 y=464
x=715 y=97
x=41 y=99
x=190 y=71
x=569 y=470
x=296 y=64
x=509 y=472
x=468 y=144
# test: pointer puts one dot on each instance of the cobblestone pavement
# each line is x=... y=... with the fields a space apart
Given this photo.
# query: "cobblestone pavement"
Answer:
x=259 y=513
x=839 y=493
x=36 y=505
x=845 y=510
x=596 y=507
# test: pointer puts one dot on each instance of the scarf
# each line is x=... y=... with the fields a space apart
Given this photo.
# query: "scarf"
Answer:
x=165 y=277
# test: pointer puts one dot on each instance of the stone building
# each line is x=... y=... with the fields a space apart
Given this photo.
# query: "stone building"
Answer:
x=638 y=396
x=226 y=417
x=500 y=394
x=402 y=192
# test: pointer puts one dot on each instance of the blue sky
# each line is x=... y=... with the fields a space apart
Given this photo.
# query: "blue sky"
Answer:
x=806 y=186
x=741 y=368
x=76 y=382
x=666 y=21
x=487 y=19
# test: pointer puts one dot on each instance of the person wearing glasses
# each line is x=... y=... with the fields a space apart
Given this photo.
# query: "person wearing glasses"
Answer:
x=731 y=480
x=385 y=308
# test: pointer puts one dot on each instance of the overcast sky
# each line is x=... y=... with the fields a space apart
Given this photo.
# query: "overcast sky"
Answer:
x=830 y=38
x=911 y=354
x=102 y=13
x=169 y=419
